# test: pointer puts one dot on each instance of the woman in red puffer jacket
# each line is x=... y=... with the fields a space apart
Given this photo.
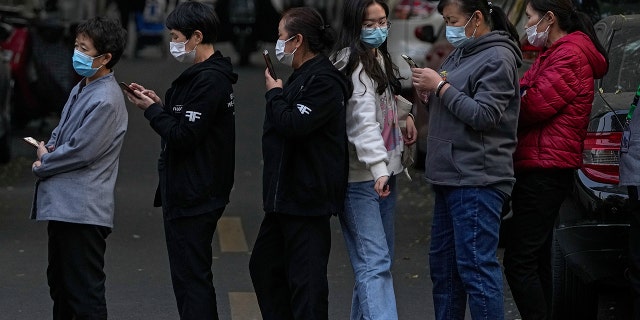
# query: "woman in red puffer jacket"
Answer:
x=556 y=96
x=557 y=92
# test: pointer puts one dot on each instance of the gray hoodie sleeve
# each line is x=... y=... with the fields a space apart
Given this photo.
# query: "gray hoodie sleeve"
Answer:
x=491 y=89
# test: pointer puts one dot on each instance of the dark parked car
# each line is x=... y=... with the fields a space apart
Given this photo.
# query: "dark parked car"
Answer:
x=590 y=239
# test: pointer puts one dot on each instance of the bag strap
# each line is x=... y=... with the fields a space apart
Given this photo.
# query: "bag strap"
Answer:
x=632 y=108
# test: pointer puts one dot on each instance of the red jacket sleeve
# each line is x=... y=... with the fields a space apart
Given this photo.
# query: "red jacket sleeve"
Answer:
x=550 y=85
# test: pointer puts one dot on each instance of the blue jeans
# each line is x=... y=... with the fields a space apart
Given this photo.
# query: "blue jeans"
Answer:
x=463 y=254
x=368 y=229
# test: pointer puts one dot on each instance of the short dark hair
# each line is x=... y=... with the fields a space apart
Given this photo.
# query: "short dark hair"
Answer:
x=190 y=16
x=107 y=35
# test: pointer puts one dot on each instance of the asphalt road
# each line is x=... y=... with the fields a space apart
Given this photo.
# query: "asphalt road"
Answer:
x=138 y=283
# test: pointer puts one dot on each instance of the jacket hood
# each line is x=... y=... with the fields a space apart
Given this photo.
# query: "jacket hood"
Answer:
x=216 y=62
x=335 y=73
x=491 y=39
x=341 y=58
x=580 y=40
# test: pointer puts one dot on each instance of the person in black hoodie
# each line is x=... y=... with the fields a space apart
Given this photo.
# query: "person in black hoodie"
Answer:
x=196 y=165
x=304 y=148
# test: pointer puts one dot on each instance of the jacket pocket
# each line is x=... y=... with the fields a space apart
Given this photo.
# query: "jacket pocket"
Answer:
x=440 y=165
x=306 y=186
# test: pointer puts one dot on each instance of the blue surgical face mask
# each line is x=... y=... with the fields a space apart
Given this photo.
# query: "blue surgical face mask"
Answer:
x=457 y=35
x=83 y=64
x=374 y=37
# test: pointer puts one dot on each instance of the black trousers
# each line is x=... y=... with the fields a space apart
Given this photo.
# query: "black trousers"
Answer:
x=75 y=272
x=634 y=249
x=190 y=260
x=536 y=200
x=288 y=267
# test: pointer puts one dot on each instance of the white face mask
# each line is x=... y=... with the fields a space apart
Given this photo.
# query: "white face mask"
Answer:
x=178 y=51
x=284 y=57
x=535 y=38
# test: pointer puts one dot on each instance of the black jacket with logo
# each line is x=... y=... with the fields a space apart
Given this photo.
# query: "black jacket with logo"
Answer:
x=304 y=142
x=197 y=127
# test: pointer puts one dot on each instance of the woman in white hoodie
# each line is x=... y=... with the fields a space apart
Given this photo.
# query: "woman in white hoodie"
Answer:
x=375 y=150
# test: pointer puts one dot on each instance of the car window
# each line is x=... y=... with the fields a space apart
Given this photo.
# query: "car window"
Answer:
x=599 y=9
x=624 y=54
x=407 y=9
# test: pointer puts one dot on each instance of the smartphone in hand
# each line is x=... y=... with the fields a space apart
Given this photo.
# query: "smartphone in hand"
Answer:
x=409 y=61
x=386 y=184
x=267 y=60
x=125 y=87
x=31 y=141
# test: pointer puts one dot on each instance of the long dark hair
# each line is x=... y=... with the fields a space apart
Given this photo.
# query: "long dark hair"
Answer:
x=353 y=14
x=570 y=20
x=308 y=22
x=494 y=15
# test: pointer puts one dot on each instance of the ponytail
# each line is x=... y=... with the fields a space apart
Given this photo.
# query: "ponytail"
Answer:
x=327 y=38
x=309 y=23
x=585 y=24
x=501 y=22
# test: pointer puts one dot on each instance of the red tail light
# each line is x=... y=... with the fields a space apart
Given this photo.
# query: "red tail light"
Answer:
x=601 y=157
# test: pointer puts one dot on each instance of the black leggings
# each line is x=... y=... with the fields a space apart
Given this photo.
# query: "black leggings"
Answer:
x=536 y=200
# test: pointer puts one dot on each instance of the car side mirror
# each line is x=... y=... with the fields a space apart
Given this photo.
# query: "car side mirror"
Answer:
x=425 y=33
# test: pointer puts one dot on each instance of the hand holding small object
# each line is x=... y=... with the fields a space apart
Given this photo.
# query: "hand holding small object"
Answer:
x=42 y=149
x=270 y=82
x=425 y=79
x=382 y=185
x=142 y=97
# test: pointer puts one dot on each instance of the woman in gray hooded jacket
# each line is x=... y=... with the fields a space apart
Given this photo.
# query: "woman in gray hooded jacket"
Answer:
x=473 y=111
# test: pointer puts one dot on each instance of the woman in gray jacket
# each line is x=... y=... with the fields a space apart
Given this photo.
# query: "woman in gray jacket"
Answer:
x=77 y=170
x=472 y=135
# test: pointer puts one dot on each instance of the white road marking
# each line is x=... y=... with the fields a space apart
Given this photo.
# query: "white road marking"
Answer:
x=244 y=306
x=231 y=235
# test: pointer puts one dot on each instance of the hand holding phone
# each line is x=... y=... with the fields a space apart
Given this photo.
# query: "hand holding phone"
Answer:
x=386 y=184
x=126 y=88
x=409 y=61
x=267 y=60
x=31 y=141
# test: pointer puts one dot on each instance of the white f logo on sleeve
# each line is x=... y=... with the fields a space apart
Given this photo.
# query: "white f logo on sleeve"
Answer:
x=192 y=115
x=303 y=109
